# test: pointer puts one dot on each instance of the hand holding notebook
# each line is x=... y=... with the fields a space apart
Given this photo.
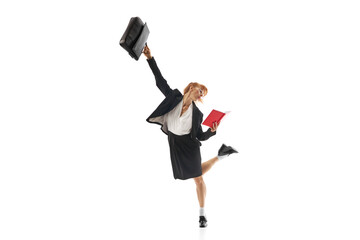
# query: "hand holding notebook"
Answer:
x=214 y=116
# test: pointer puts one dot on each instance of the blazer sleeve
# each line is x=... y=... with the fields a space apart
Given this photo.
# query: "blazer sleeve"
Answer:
x=161 y=83
x=202 y=136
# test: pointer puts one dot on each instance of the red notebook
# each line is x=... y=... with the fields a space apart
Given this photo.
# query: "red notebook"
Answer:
x=214 y=116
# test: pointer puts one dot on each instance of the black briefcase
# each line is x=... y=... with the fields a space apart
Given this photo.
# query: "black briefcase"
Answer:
x=135 y=37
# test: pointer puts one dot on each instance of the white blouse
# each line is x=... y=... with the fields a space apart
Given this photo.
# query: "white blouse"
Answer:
x=179 y=125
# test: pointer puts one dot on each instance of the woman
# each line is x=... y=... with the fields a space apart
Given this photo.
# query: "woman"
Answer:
x=181 y=120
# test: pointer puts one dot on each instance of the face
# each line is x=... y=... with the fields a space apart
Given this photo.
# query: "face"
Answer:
x=196 y=94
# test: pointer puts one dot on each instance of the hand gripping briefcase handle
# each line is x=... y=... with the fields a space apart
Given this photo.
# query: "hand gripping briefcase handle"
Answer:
x=135 y=37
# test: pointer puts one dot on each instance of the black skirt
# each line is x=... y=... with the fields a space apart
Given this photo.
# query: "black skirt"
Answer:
x=185 y=156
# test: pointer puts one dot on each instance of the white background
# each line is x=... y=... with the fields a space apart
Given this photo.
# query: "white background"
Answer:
x=79 y=161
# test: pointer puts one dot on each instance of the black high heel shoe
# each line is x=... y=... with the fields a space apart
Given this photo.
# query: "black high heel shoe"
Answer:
x=202 y=222
x=226 y=150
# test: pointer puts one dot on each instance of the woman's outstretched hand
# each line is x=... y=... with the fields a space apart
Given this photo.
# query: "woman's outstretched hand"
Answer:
x=147 y=52
x=215 y=126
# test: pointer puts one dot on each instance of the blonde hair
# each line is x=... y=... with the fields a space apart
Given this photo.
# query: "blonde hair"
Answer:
x=198 y=85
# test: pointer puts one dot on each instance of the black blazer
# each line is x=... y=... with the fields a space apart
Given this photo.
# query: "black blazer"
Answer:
x=172 y=98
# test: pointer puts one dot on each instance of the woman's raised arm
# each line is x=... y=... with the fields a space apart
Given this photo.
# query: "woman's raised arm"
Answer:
x=161 y=83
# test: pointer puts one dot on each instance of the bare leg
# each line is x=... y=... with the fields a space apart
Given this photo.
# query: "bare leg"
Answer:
x=199 y=181
x=208 y=164
x=201 y=190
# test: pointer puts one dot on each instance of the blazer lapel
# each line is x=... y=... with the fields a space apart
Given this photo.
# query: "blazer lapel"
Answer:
x=196 y=120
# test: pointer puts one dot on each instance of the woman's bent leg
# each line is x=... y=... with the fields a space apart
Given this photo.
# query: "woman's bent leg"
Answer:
x=206 y=166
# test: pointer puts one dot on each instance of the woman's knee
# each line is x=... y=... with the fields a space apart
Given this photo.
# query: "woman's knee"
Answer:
x=199 y=181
